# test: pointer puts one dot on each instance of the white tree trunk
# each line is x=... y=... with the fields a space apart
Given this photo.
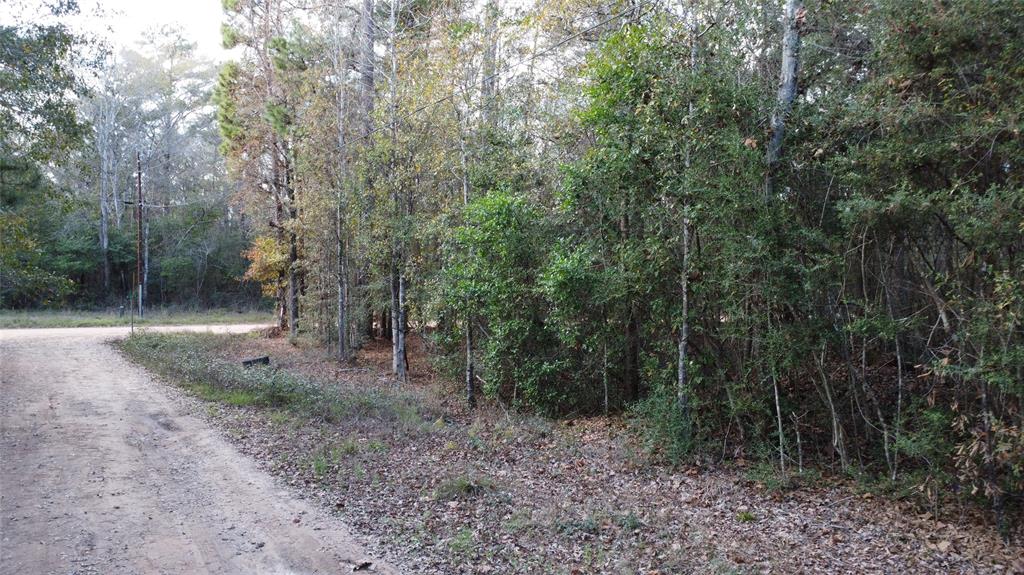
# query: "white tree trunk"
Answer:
x=489 y=82
x=793 y=19
x=366 y=66
x=470 y=367
x=340 y=62
x=398 y=304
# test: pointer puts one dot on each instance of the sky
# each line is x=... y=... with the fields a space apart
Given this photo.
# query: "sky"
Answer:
x=123 y=22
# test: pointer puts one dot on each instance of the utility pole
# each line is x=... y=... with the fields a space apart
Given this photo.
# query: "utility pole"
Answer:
x=138 y=235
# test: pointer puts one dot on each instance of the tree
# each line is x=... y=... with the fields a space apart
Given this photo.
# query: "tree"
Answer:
x=39 y=125
x=256 y=115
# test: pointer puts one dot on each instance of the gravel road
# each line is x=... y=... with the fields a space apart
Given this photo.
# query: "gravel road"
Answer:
x=102 y=471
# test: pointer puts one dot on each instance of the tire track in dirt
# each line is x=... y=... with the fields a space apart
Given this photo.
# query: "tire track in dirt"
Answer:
x=101 y=472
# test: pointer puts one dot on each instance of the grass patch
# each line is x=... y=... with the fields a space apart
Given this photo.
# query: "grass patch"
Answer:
x=192 y=361
x=628 y=522
x=15 y=319
x=462 y=544
x=463 y=487
x=587 y=526
x=771 y=479
x=280 y=418
x=745 y=517
x=236 y=397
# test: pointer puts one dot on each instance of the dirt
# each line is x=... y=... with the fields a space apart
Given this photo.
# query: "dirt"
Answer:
x=104 y=471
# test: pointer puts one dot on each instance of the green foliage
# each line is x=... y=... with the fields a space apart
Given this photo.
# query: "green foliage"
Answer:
x=665 y=432
x=39 y=86
x=493 y=262
x=279 y=118
x=229 y=36
x=232 y=130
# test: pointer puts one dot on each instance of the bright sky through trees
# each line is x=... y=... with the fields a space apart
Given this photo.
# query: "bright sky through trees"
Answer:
x=123 y=23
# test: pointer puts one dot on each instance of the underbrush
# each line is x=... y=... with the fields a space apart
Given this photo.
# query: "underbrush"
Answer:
x=192 y=361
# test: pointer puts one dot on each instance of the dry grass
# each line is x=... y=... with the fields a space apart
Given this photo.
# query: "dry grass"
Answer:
x=15 y=319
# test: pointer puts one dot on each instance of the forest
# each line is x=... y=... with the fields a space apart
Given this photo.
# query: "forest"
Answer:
x=81 y=135
x=785 y=231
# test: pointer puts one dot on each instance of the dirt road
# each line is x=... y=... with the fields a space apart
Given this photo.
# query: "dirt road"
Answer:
x=102 y=472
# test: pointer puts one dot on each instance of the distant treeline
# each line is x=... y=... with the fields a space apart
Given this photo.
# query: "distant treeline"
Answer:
x=73 y=223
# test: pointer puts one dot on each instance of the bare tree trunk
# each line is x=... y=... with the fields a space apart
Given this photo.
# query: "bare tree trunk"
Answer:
x=367 y=99
x=366 y=68
x=104 y=235
x=394 y=321
x=398 y=281
x=282 y=291
x=793 y=19
x=340 y=65
x=682 y=378
x=343 y=346
x=293 y=286
x=682 y=383
x=293 y=259
x=631 y=377
x=470 y=375
x=778 y=416
x=112 y=170
x=837 y=429
x=489 y=81
x=604 y=376
x=470 y=367
x=103 y=137
x=403 y=328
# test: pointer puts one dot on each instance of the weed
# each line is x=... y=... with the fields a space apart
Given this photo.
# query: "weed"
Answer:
x=408 y=416
x=359 y=472
x=628 y=522
x=519 y=521
x=321 y=465
x=589 y=525
x=664 y=432
x=768 y=476
x=745 y=517
x=463 y=486
x=376 y=446
x=772 y=480
x=280 y=418
x=348 y=446
x=461 y=544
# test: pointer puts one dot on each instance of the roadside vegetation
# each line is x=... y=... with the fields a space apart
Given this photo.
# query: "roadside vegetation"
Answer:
x=11 y=319
x=440 y=489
